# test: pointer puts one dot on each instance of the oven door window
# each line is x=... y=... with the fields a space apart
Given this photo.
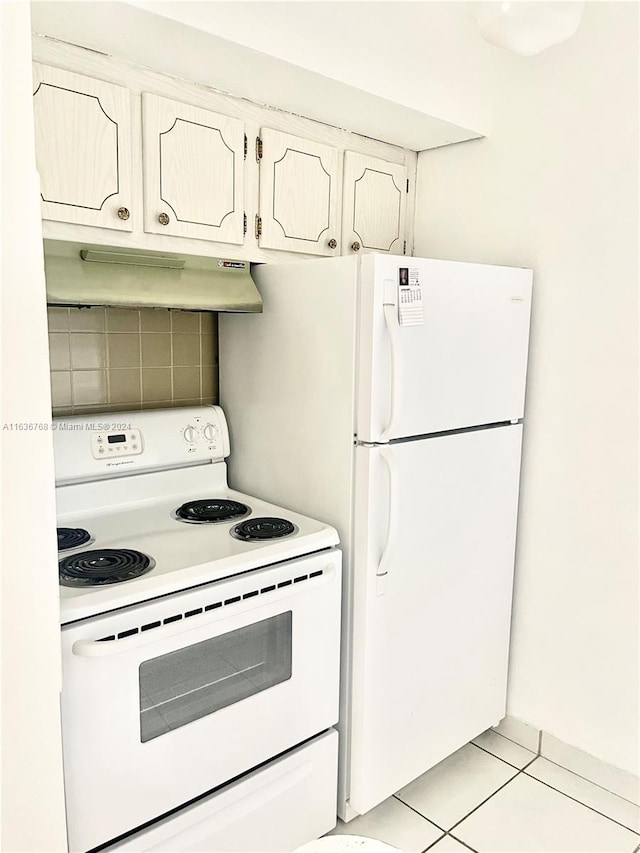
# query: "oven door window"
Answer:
x=190 y=683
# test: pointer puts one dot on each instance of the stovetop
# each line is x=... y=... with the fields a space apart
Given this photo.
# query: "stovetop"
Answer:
x=139 y=514
x=126 y=478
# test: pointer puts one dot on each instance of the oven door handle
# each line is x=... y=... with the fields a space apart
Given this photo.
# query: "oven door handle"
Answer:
x=104 y=648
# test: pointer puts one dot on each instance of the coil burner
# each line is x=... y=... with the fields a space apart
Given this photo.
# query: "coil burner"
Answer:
x=261 y=529
x=72 y=537
x=103 y=566
x=210 y=511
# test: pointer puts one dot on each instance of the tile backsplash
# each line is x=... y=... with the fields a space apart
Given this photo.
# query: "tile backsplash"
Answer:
x=121 y=359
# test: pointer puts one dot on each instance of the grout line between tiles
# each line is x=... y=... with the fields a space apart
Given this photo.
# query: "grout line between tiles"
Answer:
x=569 y=797
x=586 y=779
x=475 y=808
x=433 y=843
x=171 y=340
x=464 y=843
x=515 y=766
x=522 y=772
x=447 y=831
x=419 y=813
x=200 y=356
x=140 y=356
x=529 y=763
x=107 y=361
x=517 y=742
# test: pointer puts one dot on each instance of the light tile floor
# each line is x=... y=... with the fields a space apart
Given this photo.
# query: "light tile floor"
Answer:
x=494 y=796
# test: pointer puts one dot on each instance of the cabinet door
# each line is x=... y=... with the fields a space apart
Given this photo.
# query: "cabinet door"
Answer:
x=83 y=148
x=298 y=194
x=193 y=171
x=374 y=205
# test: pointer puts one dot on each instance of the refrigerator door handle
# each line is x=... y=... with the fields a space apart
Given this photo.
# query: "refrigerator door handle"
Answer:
x=392 y=523
x=393 y=329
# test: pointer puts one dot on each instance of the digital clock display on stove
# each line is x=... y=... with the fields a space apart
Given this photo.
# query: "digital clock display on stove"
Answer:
x=116 y=439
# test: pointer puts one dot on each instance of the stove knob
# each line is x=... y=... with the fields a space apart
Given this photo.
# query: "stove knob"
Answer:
x=190 y=434
x=209 y=432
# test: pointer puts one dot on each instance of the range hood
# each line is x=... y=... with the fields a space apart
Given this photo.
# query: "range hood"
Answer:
x=81 y=274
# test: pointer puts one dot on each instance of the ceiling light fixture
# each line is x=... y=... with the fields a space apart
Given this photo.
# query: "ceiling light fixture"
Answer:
x=528 y=28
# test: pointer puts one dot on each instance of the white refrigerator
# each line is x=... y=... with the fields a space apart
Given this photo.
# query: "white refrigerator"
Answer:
x=385 y=395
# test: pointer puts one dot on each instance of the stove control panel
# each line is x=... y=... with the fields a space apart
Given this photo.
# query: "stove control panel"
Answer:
x=116 y=443
x=202 y=434
x=90 y=447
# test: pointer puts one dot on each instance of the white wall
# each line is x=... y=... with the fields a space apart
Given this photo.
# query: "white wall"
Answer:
x=32 y=794
x=428 y=56
x=366 y=72
x=555 y=187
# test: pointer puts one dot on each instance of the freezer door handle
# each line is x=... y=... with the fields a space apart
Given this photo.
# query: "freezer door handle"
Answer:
x=395 y=394
x=392 y=522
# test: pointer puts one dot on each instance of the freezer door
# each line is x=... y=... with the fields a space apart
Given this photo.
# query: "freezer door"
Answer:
x=432 y=602
x=462 y=361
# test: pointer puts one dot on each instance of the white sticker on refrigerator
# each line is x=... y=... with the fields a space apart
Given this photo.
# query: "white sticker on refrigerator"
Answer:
x=410 y=312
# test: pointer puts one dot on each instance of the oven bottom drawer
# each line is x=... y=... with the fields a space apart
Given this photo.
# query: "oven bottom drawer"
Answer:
x=279 y=807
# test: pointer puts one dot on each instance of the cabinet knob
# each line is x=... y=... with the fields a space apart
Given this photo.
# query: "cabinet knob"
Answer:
x=332 y=243
x=123 y=213
x=163 y=218
x=355 y=246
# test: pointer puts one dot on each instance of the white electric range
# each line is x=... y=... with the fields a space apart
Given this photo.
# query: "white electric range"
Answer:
x=200 y=640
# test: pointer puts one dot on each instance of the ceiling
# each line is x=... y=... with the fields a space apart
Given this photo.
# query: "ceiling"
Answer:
x=417 y=74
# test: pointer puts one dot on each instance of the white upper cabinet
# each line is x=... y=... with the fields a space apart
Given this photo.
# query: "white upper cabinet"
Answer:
x=193 y=171
x=131 y=157
x=83 y=148
x=298 y=205
x=374 y=205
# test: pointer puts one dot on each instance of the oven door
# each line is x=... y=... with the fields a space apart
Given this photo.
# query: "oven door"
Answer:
x=166 y=700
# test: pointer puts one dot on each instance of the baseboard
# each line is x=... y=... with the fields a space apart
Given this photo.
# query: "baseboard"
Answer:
x=520 y=732
x=572 y=758
x=589 y=767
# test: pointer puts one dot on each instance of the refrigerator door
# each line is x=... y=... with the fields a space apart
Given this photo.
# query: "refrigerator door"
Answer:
x=435 y=523
x=462 y=363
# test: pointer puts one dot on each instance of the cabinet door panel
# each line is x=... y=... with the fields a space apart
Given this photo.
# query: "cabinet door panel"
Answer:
x=374 y=206
x=298 y=194
x=194 y=171
x=83 y=148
